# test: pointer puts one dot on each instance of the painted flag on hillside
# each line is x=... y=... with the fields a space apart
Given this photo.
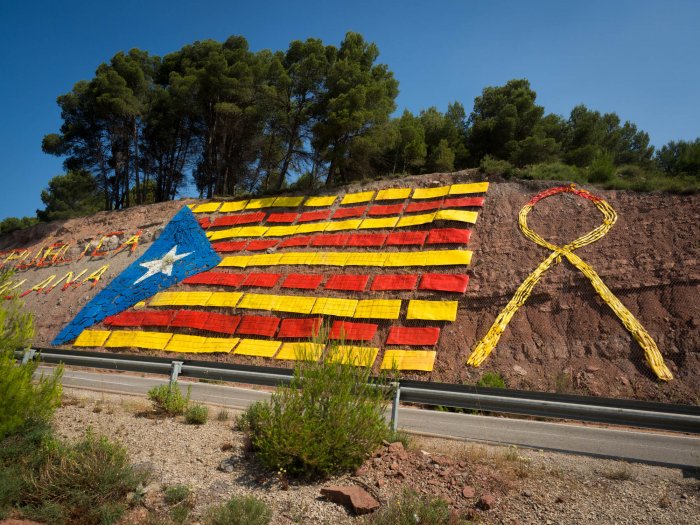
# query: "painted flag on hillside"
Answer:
x=181 y=250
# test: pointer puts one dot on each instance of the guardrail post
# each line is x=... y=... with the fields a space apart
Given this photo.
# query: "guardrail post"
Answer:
x=395 y=406
x=28 y=355
x=176 y=368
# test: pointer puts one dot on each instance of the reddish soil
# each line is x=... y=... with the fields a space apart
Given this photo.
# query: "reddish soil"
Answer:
x=565 y=338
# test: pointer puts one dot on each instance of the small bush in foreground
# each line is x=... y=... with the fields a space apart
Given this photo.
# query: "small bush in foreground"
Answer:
x=196 y=415
x=492 y=166
x=168 y=399
x=326 y=422
x=398 y=435
x=412 y=508
x=82 y=484
x=239 y=511
x=491 y=380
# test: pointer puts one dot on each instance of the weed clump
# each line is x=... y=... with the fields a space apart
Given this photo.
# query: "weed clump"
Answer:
x=411 y=508
x=168 y=399
x=239 y=511
x=196 y=415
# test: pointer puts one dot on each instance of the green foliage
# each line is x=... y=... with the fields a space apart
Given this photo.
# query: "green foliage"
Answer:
x=168 y=400
x=326 y=422
x=82 y=484
x=491 y=380
x=398 y=435
x=680 y=158
x=74 y=194
x=602 y=168
x=223 y=415
x=491 y=166
x=554 y=171
x=411 y=508
x=24 y=402
x=239 y=510
x=196 y=414
x=176 y=494
x=11 y=224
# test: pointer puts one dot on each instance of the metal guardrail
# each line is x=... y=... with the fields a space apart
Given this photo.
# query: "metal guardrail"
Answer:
x=682 y=418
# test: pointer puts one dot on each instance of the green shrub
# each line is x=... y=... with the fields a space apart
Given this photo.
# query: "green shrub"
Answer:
x=239 y=511
x=82 y=484
x=23 y=401
x=602 y=168
x=223 y=415
x=398 y=435
x=176 y=494
x=168 y=399
x=326 y=422
x=196 y=414
x=554 y=171
x=411 y=508
x=492 y=166
x=491 y=380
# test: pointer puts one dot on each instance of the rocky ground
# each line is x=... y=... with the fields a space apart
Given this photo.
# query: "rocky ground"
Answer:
x=490 y=485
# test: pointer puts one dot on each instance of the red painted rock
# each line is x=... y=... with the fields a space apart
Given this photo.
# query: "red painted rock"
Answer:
x=487 y=502
x=468 y=492
x=358 y=499
x=395 y=448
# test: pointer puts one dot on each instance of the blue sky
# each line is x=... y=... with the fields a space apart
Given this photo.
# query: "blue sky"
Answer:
x=638 y=58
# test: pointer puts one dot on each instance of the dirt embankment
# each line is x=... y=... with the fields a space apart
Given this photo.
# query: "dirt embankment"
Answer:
x=565 y=338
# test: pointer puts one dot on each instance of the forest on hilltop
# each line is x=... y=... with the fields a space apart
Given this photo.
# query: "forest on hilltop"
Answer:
x=231 y=121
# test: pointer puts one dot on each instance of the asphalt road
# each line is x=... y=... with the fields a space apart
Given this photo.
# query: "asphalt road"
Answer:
x=631 y=445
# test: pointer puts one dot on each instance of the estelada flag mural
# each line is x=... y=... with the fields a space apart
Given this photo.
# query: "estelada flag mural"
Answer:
x=394 y=258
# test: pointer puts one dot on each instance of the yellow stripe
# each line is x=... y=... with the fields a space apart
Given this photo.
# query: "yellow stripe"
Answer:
x=378 y=309
x=471 y=187
x=92 y=338
x=181 y=299
x=288 y=202
x=355 y=198
x=334 y=306
x=195 y=344
x=393 y=194
x=339 y=259
x=432 y=310
x=233 y=206
x=224 y=299
x=300 y=351
x=256 y=204
x=208 y=207
x=138 y=339
x=408 y=360
x=353 y=355
x=323 y=200
x=431 y=193
x=257 y=348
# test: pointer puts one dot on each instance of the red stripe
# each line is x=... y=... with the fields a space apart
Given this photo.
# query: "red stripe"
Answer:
x=320 y=215
x=367 y=239
x=353 y=331
x=229 y=246
x=190 y=319
x=282 y=217
x=154 y=318
x=424 y=206
x=444 y=282
x=258 y=325
x=346 y=213
x=263 y=280
x=303 y=281
x=394 y=282
x=401 y=335
x=295 y=241
x=239 y=218
x=406 y=238
x=216 y=278
x=205 y=223
x=222 y=323
x=464 y=202
x=300 y=327
x=448 y=236
x=254 y=246
x=355 y=283
x=340 y=239
x=389 y=209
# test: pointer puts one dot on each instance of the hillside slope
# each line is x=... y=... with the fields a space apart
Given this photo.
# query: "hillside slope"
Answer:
x=565 y=338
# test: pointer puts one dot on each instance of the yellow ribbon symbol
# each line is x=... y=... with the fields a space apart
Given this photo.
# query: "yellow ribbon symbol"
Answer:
x=490 y=340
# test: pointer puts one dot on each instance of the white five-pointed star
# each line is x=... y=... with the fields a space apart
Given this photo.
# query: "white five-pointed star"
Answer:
x=163 y=265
